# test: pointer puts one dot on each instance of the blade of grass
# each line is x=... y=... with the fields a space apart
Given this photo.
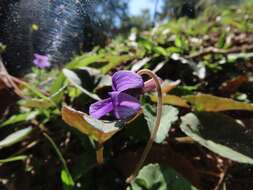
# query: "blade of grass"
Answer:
x=13 y=159
x=59 y=154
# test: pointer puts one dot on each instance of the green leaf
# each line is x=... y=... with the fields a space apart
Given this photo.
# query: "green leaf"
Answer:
x=156 y=177
x=181 y=43
x=76 y=81
x=22 y=117
x=37 y=103
x=15 y=137
x=84 y=61
x=66 y=178
x=161 y=51
x=34 y=90
x=57 y=88
x=172 y=100
x=99 y=130
x=169 y=116
x=65 y=173
x=205 y=102
x=220 y=134
x=57 y=84
x=114 y=61
x=222 y=40
x=13 y=159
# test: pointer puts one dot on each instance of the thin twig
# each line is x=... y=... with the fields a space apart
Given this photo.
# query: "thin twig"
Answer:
x=156 y=125
x=222 y=176
x=187 y=140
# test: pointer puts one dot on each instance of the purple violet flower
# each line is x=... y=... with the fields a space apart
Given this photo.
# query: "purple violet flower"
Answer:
x=41 y=61
x=119 y=103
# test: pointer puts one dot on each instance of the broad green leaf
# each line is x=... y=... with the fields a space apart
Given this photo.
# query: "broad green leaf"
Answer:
x=172 y=100
x=13 y=159
x=22 y=117
x=205 y=102
x=99 y=130
x=15 y=137
x=66 y=178
x=169 y=116
x=157 y=177
x=220 y=134
x=76 y=81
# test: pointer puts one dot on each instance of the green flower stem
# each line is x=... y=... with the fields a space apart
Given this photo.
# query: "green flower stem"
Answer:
x=156 y=125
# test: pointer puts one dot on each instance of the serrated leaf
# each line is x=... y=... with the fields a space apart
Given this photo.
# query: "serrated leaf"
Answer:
x=157 y=177
x=220 y=134
x=99 y=130
x=76 y=81
x=22 y=117
x=206 y=102
x=169 y=116
x=15 y=137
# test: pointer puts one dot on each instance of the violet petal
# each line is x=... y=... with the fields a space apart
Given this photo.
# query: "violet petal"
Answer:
x=101 y=108
x=124 y=80
x=124 y=105
x=41 y=61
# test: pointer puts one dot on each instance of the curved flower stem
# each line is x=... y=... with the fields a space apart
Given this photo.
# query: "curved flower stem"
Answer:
x=156 y=125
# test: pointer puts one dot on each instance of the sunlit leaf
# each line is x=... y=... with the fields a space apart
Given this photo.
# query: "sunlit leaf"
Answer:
x=66 y=178
x=99 y=130
x=220 y=134
x=84 y=61
x=157 y=177
x=161 y=51
x=114 y=61
x=15 y=137
x=205 y=102
x=169 y=116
